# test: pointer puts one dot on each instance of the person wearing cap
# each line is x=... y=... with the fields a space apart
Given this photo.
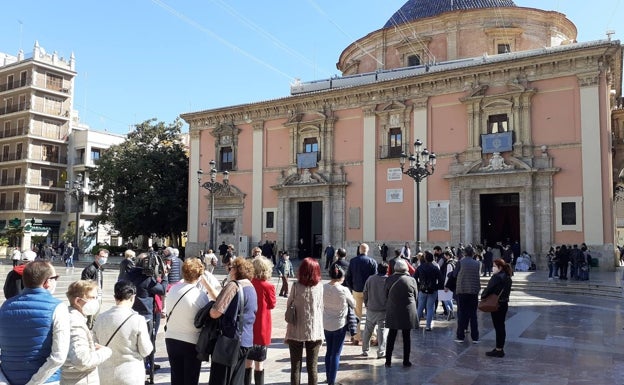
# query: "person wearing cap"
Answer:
x=401 y=313
x=14 y=284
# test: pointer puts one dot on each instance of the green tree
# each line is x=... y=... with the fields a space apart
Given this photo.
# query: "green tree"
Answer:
x=142 y=184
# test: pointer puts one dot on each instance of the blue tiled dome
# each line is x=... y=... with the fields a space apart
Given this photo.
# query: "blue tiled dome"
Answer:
x=418 y=9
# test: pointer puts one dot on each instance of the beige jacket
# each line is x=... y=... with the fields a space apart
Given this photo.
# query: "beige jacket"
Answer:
x=309 y=309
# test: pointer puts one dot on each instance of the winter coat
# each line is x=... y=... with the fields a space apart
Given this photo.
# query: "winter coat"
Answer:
x=401 y=302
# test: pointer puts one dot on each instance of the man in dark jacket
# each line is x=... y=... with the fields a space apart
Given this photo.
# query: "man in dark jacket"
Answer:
x=360 y=268
x=94 y=271
x=428 y=279
x=468 y=287
x=149 y=283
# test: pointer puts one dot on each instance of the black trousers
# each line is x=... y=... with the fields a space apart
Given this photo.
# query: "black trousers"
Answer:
x=185 y=367
x=467 y=314
x=498 y=320
x=407 y=344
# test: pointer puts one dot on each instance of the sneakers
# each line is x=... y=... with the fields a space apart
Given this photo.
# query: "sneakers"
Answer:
x=407 y=364
x=381 y=355
x=475 y=341
x=364 y=354
x=428 y=329
x=459 y=341
x=495 y=353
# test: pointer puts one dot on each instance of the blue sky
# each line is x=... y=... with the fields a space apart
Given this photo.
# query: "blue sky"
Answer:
x=142 y=59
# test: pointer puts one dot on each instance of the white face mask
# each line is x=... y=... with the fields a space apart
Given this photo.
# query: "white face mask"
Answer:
x=102 y=261
x=90 y=307
x=495 y=269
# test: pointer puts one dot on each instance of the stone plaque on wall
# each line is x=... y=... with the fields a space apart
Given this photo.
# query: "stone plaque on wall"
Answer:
x=439 y=215
x=394 y=195
x=354 y=217
x=394 y=173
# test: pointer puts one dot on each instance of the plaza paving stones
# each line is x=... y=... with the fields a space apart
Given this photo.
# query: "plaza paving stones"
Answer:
x=553 y=338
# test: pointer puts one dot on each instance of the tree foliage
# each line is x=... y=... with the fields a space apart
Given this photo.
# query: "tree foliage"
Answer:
x=142 y=184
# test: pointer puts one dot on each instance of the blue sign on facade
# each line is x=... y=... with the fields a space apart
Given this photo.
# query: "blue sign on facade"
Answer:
x=307 y=159
x=499 y=142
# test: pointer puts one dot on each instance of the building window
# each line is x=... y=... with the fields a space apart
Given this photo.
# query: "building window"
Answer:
x=54 y=82
x=503 y=48
x=47 y=201
x=226 y=226
x=268 y=224
x=95 y=154
x=23 y=78
x=10 y=81
x=310 y=145
x=16 y=201
x=395 y=140
x=18 y=175
x=50 y=153
x=227 y=158
x=413 y=60
x=569 y=214
x=498 y=123
x=18 y=151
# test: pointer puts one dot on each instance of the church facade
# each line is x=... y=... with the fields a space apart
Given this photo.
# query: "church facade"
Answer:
x=518 y=113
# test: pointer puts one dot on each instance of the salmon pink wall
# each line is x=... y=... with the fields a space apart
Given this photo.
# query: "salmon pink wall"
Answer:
x=277 y=145
x=348 y=136
x=394 y=220
x=555 y=113
x=354 y=199
x=448 y=122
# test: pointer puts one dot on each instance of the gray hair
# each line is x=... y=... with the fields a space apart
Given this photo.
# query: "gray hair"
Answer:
x=400 y=266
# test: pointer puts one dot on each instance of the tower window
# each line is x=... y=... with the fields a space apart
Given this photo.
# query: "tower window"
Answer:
x=498 y=123
x=413 y=60
x=503 y=48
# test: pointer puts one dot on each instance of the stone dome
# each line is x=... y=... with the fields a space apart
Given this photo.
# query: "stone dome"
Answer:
x=418 y=9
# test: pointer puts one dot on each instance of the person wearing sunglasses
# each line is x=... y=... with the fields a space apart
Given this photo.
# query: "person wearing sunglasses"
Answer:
x=34 y=329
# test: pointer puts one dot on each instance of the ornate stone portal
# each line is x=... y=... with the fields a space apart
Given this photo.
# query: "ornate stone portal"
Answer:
x=530 y=178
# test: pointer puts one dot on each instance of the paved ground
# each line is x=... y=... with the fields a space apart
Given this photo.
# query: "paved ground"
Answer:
x=552 y=338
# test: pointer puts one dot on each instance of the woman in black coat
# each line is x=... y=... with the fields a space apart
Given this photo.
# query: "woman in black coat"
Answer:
x=499 y=283
x=401 y=293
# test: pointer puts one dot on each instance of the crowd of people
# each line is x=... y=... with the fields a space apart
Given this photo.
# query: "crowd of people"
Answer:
x=80 y=344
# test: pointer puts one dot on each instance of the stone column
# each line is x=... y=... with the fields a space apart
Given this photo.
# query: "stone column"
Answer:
x=529 y=219
x=468 y=216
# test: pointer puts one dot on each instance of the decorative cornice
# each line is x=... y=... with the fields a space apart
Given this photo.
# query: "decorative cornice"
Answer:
x=588 y=79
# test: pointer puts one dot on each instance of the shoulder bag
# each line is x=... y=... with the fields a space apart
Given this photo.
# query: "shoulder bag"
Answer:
x=227 y=350
x=116 y=330
x=291 y=312
x=489 y=304
x=175 y=304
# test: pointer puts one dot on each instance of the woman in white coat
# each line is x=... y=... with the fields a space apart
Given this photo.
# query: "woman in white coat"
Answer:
x=125 y=332
x=84 y=354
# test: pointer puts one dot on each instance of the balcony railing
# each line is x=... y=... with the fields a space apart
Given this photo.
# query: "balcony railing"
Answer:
x=386 y=151
x=15 y=84
x=11 y=181
x=34 y=206
x=9 y=156
x=44 y=182
x=13 y=131
x=62 y=159
x=14 y=108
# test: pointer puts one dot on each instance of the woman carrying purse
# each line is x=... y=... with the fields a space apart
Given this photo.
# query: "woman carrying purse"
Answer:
x=499 y=283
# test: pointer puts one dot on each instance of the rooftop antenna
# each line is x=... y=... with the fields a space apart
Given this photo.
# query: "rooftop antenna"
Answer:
x=609 y=33
x=20 y=33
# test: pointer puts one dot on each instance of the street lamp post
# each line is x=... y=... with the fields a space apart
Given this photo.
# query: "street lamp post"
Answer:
x=213 y=186
x=421 y=165
x=77 y=190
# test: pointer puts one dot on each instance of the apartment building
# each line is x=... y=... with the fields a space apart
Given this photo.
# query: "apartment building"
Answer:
x=36 y=100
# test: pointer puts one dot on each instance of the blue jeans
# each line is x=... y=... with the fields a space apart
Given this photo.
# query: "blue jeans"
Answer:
x=335 y=341
x=427 y=301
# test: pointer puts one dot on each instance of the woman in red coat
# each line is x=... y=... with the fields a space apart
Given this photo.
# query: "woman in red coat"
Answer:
x=263 y=324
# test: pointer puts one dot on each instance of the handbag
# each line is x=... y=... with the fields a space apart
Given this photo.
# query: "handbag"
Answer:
x=227 y=349
x=257 y=353
x=291 y=312
x=489 y=304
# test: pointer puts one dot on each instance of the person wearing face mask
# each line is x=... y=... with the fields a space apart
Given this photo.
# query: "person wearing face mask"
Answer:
x=500 y=284
x=84 y=354
x=34 y=354
x=94 y=271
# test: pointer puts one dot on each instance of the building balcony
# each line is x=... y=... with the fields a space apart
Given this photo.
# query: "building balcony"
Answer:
x=45 y=182
x=388 y=152
x=11 y=156
x=13 y=132
x=11 y=181
x=15 y=84
x=9 y=109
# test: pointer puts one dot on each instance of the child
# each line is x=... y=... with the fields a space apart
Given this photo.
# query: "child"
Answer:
x=285 y=270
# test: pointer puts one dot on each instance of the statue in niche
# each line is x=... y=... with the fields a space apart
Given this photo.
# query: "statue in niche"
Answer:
x=497 y=162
